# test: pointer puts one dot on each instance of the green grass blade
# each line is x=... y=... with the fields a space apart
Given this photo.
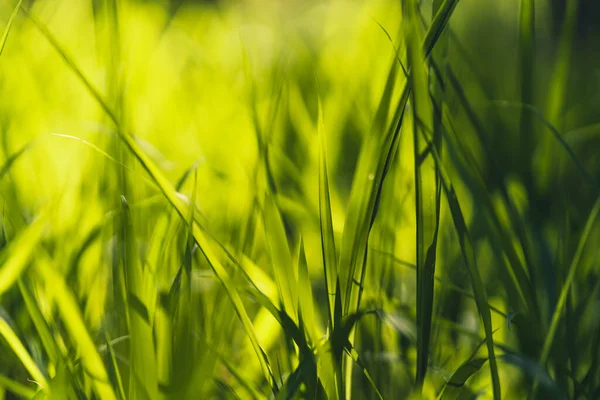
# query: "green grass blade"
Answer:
x=173 y=198
x=559 y=81
x=114 y=367
x=454 y=386
x=426 y=191
x=21 y=352
x=4 y=37
x=16 y=256
x=71 y=316
x=16 y=387
x=527 y=65
x=50 y=346
x=328 y=248
x=471 y=264
x=558 y=310
x=281 y=259
x=305 y=296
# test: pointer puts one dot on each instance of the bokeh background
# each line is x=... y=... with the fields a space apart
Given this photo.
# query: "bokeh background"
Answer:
x=224 y=98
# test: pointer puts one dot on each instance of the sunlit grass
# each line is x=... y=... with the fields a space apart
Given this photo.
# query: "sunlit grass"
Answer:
x=332 y=199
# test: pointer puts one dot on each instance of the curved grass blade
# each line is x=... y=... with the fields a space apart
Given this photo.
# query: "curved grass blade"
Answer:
x=452 y=389
x=454 y=386
x=4 y=37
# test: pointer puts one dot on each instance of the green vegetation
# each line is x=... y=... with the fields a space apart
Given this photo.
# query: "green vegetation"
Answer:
x=313 y=199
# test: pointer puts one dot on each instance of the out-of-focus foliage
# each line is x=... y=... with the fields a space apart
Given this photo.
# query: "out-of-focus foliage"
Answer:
x=300 y=199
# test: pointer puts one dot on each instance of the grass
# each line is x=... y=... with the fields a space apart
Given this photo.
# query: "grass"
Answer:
x=317 y=200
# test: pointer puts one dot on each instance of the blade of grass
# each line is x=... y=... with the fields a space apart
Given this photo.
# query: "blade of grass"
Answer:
x=71 y=316
x=558 y=310
x=527 y=65
x=50 y=346
x=4 y=37
x=471 y=264
x=471 y=366
x=16 y=256
x=281 y=259
x=21 y=352
x=374 y=162
x=426 y=190
x=328 y=249
x=16 y=387
x=114 y=367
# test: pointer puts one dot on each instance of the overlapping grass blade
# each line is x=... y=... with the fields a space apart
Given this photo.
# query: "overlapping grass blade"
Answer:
x=113 y=368
x=328 y=248
x=455 y=384
x=281 y=259
x=558 y=310
x=471 y=264
x=427 y=192
x=17 y=388
x=41 y=325
x=71 y=316
x=461 y=375
x=15 y=344
x=173 y=198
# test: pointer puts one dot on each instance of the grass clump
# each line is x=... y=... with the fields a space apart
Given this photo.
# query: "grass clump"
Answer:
x=313 y=200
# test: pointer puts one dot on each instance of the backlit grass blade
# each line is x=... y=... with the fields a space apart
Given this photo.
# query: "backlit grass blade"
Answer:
x=363 y=368
x=176 y=202
x=43 y=330
x=455 y=384
x=16 y=388
x=15 y=344
x=375 y=158
x=426 y=191
x=459 y=378
x=15 y=258
x=305 y=296
x=472 y=268
x=142 y=357
x=281 y=259
x=374 y=162
x=328 y=248
x=75 y=325
x=4 y=37
x=113 y=368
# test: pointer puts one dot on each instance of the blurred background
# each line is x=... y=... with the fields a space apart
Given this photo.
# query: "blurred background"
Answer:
x=215 y=90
